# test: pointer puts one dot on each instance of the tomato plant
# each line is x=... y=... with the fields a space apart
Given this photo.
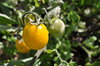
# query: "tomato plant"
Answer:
x=49 y=33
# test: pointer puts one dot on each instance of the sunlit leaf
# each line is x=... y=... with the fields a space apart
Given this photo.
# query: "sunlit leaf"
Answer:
x=50 y=51
x=73 y=64
x=36 y=3
x=4 y=19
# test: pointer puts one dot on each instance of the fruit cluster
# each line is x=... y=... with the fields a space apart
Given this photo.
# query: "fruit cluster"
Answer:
x=35 y=34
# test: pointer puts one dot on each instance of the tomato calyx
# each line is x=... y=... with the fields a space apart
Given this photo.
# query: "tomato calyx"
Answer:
x=32 y=18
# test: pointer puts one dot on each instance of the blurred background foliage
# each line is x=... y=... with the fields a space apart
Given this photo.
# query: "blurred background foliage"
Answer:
x=79 y=45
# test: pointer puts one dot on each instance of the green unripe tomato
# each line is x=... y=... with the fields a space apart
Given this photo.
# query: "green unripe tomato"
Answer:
x=57 y=27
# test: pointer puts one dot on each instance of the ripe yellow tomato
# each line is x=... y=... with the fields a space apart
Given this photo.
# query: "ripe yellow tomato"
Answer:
x=21 y=46
x=35 y=36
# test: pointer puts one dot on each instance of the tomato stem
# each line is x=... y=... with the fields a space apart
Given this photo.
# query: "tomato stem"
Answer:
x=62 y=61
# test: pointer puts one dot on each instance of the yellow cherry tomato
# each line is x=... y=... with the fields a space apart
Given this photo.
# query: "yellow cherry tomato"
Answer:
x=35 y=36
x=21 y=46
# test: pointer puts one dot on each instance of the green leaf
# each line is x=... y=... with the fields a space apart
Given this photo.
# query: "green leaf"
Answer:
x=56 y=64
x=88 y=64
x=82 y=25
x=49 y=51
x=36 y=3
x=82 y=2
x=73 y=16
x=4 y=19
x=97 y=63
x=16 y=63
x=90 y=42
x=55 y=58
x=68 y=44
x=37 y=62
x=93 y=38
x=65 y=5
x=1 y=45
x=73 y=64
x=43 y=1
x=5 y=27
x=62 y=64
x=5 y=8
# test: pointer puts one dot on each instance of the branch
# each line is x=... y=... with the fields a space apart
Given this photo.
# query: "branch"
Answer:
x=36 y=56
x=87 y=51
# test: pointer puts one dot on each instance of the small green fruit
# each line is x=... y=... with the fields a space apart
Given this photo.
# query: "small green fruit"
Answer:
x=57 y=27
